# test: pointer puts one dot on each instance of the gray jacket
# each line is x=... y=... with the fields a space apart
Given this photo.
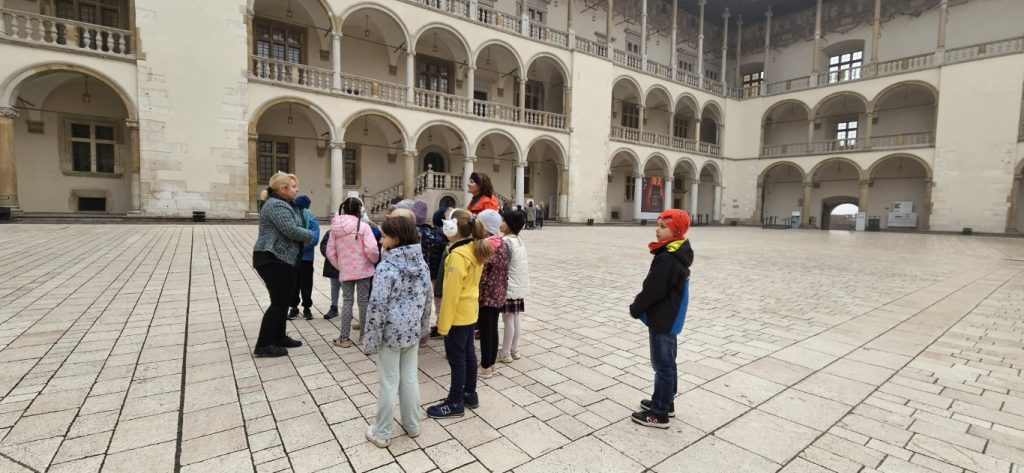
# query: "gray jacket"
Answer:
x=282 y=231
x=400 y=302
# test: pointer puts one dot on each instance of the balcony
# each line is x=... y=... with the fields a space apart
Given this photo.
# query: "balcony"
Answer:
x=925 y=139
x=60 y=33
x=633 y=135
x=504 y=21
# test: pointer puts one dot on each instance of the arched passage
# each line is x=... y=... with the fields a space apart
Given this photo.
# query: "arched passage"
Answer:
x=839 y=123
x=546 y=177
x=442 y=58
x=75 y=146
x=497 y=154
x=622 y=194
x=497 y=67
x=834 y=182
x=709 y=194
x=785 y=128
x=288 y=34
x=293 y=137
x=781 y=192
x=903 y=116
x=439 y=165
x=684 y=174
x=547 y=88
x=900 y=178
x=711 y=123
x=378 y=38
x=684 y=123
x=626 y=103
x=658 y=108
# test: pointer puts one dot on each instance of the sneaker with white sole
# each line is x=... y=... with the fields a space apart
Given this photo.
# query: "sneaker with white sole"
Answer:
x=516 y=355
x=646 y=405
x=376 y=441
x=650 y=419
x=486 y=373
x=505 y=358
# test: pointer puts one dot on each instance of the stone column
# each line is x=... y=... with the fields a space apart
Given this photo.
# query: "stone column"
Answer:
x=521 y=183
x=671 y=124
x=696 y=130
x=725 y=43
x=925 y=217
x=570 y=21
x=135 y=167
x=716 y=210
x=470 y=85
x=1011 y=216
x=250 y=36
x=876 y=31
x=758 y=218
x=638 y=195
x=738 y=81
x=862 y=200
x=767 y=48
x=668 y=192
x=865 y=141
x=525 y=15
x=8 y=173
x=700 y=45
x=694 y=190
x=522 y=98
x=337 y=174
x=643 y=34
x=816 y=52
x=410 y=75
x=673 y=60
x=253 y=174
x=609 y=24
x=641 y=113
x=336 y=60
x=473 y=9
x=563 y=194
x=409 y=177
x=467 y=170
x=805 y=207
x=940 y=46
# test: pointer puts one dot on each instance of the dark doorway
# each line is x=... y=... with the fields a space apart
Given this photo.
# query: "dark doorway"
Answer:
x=447 y=202
x=434 y=161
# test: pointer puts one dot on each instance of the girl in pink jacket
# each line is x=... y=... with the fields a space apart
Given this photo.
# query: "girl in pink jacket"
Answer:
x=353 y=250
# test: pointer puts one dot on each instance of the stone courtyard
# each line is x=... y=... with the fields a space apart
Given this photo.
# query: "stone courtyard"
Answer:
x=128 y=348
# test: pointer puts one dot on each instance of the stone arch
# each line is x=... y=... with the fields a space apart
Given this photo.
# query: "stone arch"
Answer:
x=873 y=104
x=659 y=159
x=458 y=131
x=383 y=10
x=849 y=93
x=627 y=152
x=715 y=108
x=555 y=143
x=520 y=156
x=459 y=37
x=250 y=5
x=716 y=171
x=870 y=171
x=258 y=113
x=809 y=177
x=636 y=86
x=14 y=82
x=689 y=99
x=375 y=111
x=781 y=103
x=497 y=42
x=561 y=65
x=666 y=95
x=764 y=172
x=690 y=167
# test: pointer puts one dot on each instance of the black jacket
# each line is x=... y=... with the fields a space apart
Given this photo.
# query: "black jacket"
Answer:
x=662 y=295
x=329 y=270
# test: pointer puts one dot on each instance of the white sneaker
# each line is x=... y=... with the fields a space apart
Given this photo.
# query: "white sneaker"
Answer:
x=486 y=373
x=376 y=441
x=505 y=358
x=516 y=355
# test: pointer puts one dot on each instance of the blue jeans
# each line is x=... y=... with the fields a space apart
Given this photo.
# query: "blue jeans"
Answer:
x=663 y=359
x=458 y=345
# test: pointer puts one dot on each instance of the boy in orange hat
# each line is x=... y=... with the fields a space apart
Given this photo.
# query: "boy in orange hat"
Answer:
x=661 y=305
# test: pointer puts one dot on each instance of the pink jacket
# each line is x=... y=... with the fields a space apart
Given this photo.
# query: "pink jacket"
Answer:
x=352 y=248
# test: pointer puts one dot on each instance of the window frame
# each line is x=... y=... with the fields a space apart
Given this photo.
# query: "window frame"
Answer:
x=274 y=140
x=288 y=28
x=843 y=129
x=120 y=8
x=350 y=156
x=630 y=187
x=630 y=115
x=67 y=149
x=423 y=60
x=680 y=126
x=850 y=69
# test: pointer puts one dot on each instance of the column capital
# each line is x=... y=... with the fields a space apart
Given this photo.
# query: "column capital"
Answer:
x=739 y=20
x=336 y=34
x=701 y=2
x=131 y=124
x=254 y=136
x=409 y=152
x=638 y=175
x=337 y=144
x=768 y=14
x=8 y=112
x=250 y=13
x=469 y=159
x=808 y=185
x=521 y=164
x=866 y=182
x=725 y=14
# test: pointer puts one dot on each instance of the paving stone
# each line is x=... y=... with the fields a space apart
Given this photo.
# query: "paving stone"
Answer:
x=714 y=454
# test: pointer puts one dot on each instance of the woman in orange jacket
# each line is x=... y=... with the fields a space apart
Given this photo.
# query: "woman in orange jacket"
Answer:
x=483 y=193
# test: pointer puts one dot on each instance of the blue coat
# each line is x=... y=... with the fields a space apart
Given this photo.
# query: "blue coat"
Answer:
x=313 y=225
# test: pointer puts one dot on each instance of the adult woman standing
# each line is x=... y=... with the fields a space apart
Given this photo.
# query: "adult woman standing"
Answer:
x=282 y=236
x=483 y=193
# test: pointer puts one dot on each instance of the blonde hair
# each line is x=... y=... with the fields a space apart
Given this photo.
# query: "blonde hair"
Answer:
x=471 y=227
x=277 y=181
x=403 y=213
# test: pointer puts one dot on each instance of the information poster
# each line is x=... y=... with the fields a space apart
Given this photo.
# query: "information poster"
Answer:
x=653 y=195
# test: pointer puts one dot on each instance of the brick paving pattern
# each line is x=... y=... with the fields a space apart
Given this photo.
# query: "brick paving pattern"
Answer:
x=128 y=348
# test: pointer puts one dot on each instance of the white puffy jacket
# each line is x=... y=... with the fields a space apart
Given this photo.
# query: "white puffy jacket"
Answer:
x=518 y=269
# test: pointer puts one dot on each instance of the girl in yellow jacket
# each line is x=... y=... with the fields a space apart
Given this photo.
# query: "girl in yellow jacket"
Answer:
x=467 y=254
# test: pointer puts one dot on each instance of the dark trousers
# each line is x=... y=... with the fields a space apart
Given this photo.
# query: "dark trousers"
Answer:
x=488 y=325
x=304 y=285
x=280 y=281
x=458 y=346
x=663 y=359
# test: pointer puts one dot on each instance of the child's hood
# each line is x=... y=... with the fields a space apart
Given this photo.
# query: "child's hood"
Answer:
x=407 y=259
x=494 y=241
x=343 y=225
x=681 y=251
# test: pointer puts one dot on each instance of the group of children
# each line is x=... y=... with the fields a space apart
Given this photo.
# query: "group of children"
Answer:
x=474 y=267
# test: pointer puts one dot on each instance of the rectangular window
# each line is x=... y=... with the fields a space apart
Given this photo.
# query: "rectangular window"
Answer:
x=846 y=134
x=537 y=15
x=351 y=167
x=92 y=147
x=680 y=127
x=98 y=12
x=534 y=95
x=272 y=156
x=630 y=115
x=630 y=188
x=632 y=47
x=752 y=83
x=279 y=41
x=845 y=66
x=92 y=204
x=710 y=74
x=527 y=187
x=433 y=74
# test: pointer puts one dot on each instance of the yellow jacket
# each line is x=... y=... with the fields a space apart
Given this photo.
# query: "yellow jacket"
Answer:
x=461 y=292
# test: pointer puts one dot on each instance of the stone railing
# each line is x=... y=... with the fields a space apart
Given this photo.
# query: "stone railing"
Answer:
x=505 y=21
x=356 y=86
x=659 y=69
x=923 y=139
x=842 y=75
x=433 y=180
x=544 y=119
x=906 y=64
x=441 y=101
x=377 y=203
x=714 y=86
x=631 y=61
x=291 y=73
x=548 y=35
x=58 y=32
x=632 y=135
x=687 y=78
x=788 y=85
x=455 y=7
x=498 y=111
x=587 y=46
x=994 y=48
